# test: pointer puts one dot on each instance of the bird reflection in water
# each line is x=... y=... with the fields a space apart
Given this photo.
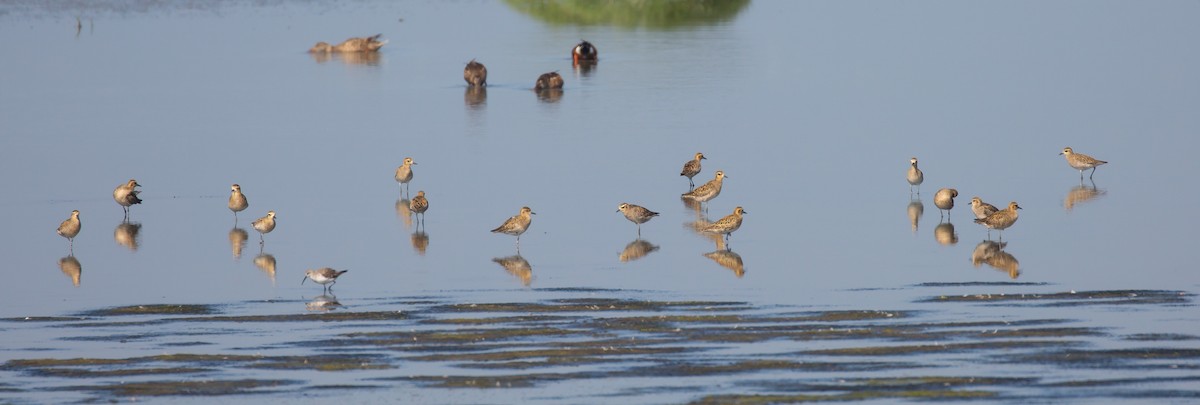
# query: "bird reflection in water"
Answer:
x=993 y=254
x=475 y=97
x=916 y=209
x=693 y=205
x=584 y=68
x=71 y=267
x=237 y=241
x=944 y=234
x=636 y=250
x=266 y=262
x=728 y=259
x=404 y=213
x=549 y=95
x=420 y=242
x=517 y=266
x=698 y=227
x=126 y=234
x=349 y=58
x=323 y=302
x=1081 y=194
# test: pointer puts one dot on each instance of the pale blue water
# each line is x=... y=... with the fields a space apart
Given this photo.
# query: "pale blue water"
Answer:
x=812 y=109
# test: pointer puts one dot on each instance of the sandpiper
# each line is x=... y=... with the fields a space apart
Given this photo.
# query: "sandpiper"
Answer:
x=915 y=176
x=323 y=276
x=982 y=209
x=707 y=191
x=364 y=44
x=584 y=52
x=517 y=224
x=404 y=173
x=475 y=74
x=692 y=168
x=69 y=228
x=726 y=225
x=1001 y=220
x=546 y=81
x=418 y=205
x=264 y=225
x=1081 y=162
x=944 y=200
x=237 y=200
x=127 y=195
x=636 y=214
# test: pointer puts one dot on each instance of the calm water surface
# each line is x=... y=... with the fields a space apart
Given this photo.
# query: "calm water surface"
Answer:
x=812 y=109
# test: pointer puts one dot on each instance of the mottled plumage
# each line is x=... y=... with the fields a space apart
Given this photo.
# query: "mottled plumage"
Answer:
x=1081 y=162
x=367 y=44
x=419 y=204
x=404 y=173
x=127 y=194
x=551 y=80
x=1002 y=219
x=692 y=168
x=726 y=225
x=69 y=228
x=944 y=199
x=915 y=176
x=636 y=214
x=584 y=52
x=707 y=191
x=475 y=74
x=517 y=224
x=237 y=200
x=264 y=225
x=982 y=209
x=323 y=276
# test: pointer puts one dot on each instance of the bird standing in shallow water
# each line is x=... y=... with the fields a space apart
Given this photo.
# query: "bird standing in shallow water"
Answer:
x=358 y=44
x=1001 y=220
x=915 y=177
x=707 y=191
x=636 y=214
x=982 y=209
x=726 y=225
x=127 y=194
x=584 y=52
x=404 y=173
x=264 y=225
x=517 y=225
x=691 y=169
x=1081 y=162
x=69 y=228
x=323 y=276
x=944 y=199
x=237 y=200
x=475 y=74
x=418 y=205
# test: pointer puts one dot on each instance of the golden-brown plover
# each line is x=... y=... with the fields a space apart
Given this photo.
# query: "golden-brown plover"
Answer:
x=692 y=168
x=264 y=225
x=69 y=228
x=915 y=176
x=418 y=205
x=636 y=214
x=944 y=200
x=726 y=225
x=1001 y=220
x=982 y=209
x=404 y=173
x=517 y=225
x=323 y=276
x=237 y=200
x=707 y=191
x=127 y=194
x=475 y=74
x=1081 y=162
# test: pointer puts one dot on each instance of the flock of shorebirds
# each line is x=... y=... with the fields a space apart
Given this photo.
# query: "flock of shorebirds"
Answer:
x=475 y=74
x=987 y=214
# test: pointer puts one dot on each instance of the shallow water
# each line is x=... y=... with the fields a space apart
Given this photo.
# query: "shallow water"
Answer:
x=812 y=109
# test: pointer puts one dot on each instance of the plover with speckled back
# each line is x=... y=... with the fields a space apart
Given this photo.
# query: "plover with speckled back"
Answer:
x=1081 y=162
x=636 y=214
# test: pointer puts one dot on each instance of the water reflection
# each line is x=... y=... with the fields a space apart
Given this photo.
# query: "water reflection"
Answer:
x=993 y=254
x=584 y=68
x=637 y=249
x=71 y=267
x=1081 y=194
x=404 y=213
x=632 y=13
x=420 y=242
x=349 y=58
x=126 y=234
x=944 y=234
x=698 y=227
x=475 y=97
x=728 y=259
x=323 y=302
x=916 y=209
x=266 y=262
x=517 y=266
x=692 y=205
x=549 y=95
x=237 y=241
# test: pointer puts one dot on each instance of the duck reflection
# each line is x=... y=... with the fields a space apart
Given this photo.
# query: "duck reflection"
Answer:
x=323 y=302
x=517 y=266
x=420 y=242
x=993 y=254
x=71 y=267
x=728 y=259
x=349 y=58
x=1081 y=194
x=475 y=97
x=404 y=213
x=126 y=234
x=266 y=262
x=944 y=234
x=584 y=68
x=549 y=95
x=916 y=209
x=237 y=241
x=636 y=250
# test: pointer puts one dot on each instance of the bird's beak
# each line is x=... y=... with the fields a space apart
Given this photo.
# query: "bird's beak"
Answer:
x=305 y=279
x=1060 y=153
